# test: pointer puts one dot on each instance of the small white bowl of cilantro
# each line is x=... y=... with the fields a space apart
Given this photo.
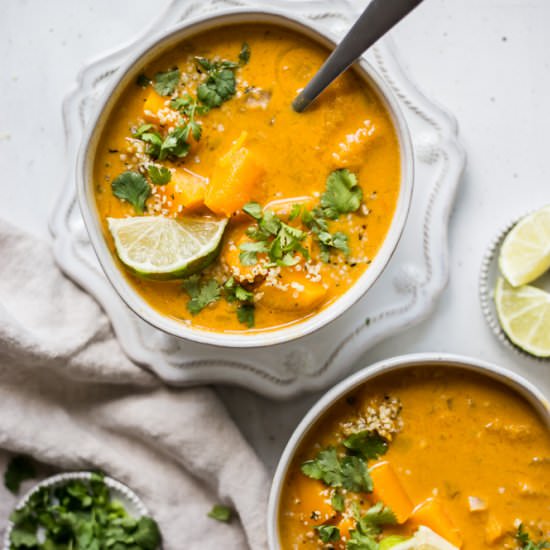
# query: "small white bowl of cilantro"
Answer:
x=81 y=510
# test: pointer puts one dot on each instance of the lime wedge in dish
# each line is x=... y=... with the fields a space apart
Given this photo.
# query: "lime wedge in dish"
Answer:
x=424 y=539
x=525 y=252
x=157 y=247
x=524 y=314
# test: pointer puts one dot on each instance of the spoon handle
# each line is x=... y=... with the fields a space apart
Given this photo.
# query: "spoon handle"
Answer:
x=377 y=19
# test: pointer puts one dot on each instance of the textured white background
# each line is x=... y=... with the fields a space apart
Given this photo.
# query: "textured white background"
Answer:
x=485 y=60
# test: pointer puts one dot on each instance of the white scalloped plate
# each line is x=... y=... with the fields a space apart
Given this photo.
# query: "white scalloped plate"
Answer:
x=404 y=295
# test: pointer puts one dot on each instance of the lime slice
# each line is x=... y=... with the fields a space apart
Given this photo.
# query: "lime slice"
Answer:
x=165 y=248
x=525 y=253
x=524 y=314
x=425 y=539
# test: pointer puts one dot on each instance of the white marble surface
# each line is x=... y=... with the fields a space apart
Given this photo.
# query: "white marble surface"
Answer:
x=486 y=60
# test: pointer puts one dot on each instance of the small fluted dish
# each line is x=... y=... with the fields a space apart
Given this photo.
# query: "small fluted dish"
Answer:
x=488 y=277
x=120 y=492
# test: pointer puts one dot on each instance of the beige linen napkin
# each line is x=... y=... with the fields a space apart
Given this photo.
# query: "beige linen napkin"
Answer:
x=71 y=399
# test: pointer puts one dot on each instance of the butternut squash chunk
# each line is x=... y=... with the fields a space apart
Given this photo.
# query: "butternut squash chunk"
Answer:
x=351 y=147
x=234 y=180
x=293 y=293
x=191 y=189
x=388 y=489
x=432 y=514
x=317 y=510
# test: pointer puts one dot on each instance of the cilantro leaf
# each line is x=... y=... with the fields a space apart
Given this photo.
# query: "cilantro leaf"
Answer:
x=159 y=174
x=250 y=250
x=337 y=501
x=220 y=84
x=175 y=144
x=369 y=526
x=143 y=80
x=375 y=517
x=220 y=512
x=147 y=534
x=20 y=468
x=367 y=444
x=220 y=87
x=244 y=54
x=522 y=536
x=349 y=472
x=201 y=293
x=254 y=210
x=294 y=211
x=245 y=314
x=325 y=467
x=342 y=195
x=360 y=541
x=235 y=292
x=133 y=188
x=166 y=82
x=328 y=533
x=355 y=475
x=151 y=137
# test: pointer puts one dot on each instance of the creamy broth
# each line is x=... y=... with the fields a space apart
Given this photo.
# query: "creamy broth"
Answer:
x=470 y=444
x=348 y=128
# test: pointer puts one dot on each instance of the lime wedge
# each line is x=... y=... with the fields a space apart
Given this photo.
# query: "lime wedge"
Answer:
x=165 y=248
x=524 y=314
x=525 y=253
x=424 y=539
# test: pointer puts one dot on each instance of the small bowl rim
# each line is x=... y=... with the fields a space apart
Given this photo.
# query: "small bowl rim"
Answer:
x=264 y=337
x=63 y=477
x=514 y=381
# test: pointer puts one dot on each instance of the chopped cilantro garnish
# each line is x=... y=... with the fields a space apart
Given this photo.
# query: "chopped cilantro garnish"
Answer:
x=523 y=538
x=20 y=468
x=337 y=501
x=220 y=84
x=245 y=314
x=159 y=174
x=367 y=444
x=220 y=512
x=295 y=212
x=151 y=137
x=253 y=209
x=143 y=80
x=250 y=250
x=80 y=514
x=166 y=82
x=202 y=293
x=175 y=144
x=369 y=526
x=244 y=54
x=328 y=533
x=349 y=472
x=342 y=195
x=133 y=188
x=189 y=107
x=277 y=239
x=234 y=292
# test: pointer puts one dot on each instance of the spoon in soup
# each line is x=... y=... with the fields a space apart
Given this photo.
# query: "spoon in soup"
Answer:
x=377 y=19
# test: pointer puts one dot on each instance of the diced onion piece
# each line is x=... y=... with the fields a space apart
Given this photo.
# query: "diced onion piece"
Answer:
x=476 y=504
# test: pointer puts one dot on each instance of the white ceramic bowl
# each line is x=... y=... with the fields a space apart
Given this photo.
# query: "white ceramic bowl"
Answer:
x=539 y=402
x=154 y=48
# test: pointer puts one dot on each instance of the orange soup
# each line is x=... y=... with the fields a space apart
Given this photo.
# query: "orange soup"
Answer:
x=228 y=210
x=449 y=457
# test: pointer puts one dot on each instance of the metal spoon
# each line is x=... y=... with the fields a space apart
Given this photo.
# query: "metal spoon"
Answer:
x=377 y=19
